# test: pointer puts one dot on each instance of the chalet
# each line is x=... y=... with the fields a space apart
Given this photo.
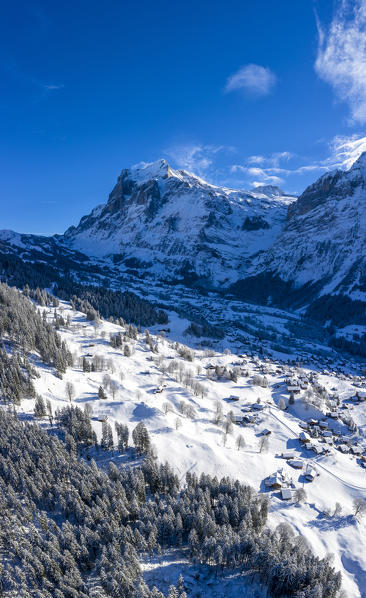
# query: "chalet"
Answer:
x=318 y=450
x=303 y=437
x=266 y=432
x=286 y=494
x=344 y=448
x=323 y=425
x=356 y=450
x=361 y=395
x=233 y=398
x=238 y=419
x=293 y=389
x=310 y=472
x=334 y=414
x=327 y=434
x=102 y=418
x=276 y=480
x=249 y=419
x=313 y=422
x=287 y=455
x=258 y=406
x=296 y=463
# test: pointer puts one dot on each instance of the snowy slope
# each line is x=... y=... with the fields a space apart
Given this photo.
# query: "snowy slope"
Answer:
x=174 y=224
x=197 y=444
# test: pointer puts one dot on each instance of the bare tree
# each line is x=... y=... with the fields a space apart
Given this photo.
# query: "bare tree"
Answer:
x=190 y=411
x=182 y=407
x=178 y=423
x=167 y=407
x=300 y=495
x=359 y=506
x=70 y=390
x=228 y=426
x=240 y=442
x=113 y=387
x=264 y=444
x=88 y=409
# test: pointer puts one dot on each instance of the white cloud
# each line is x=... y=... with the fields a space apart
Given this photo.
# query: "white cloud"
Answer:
x=253 y=79
x=196 y=157
x=265 y=175
x=51 y=87
x=256 y=159
x=346 y=150
x=343 y=151
x=341 y=58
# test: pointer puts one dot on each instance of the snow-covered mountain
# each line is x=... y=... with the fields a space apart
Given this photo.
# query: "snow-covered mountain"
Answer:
x=176 y=225
x=260 y=245
x=324 y=240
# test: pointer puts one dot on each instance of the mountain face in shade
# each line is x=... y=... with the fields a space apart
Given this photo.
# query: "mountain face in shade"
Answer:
x=324 y=239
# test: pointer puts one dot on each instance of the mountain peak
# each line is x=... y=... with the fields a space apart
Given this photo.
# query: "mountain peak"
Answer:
x=145 y=171
x=359 y=166
x=269 y=190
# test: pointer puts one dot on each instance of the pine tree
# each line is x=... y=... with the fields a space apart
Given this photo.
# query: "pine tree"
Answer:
x=39 y=407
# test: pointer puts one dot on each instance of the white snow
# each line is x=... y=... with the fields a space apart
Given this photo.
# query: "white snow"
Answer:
x=198 y=444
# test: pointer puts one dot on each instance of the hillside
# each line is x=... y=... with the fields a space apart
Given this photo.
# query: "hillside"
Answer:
x=182 y=396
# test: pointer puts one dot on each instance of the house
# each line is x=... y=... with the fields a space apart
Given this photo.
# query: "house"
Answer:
x=361 y=395
x=249 y=419
x=266 y=432
x=238 y=419
x=296 y=463
x=313 y=422
x=344 y=448
x=323 y=425
x=303 y=437
x=158 y=390
x=287 y=455
x=293 y=389
x=102 y=418
x=233 y=398
x=276 y=480
x=356 y=450
x=318 y=450
x=286 y=494
x=258 y=406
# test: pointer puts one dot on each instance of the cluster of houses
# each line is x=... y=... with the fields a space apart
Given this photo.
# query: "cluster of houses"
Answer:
x=280 y=480
x=315 y=429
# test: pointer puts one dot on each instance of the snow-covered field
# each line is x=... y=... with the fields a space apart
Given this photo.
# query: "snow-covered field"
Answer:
x=194 y=442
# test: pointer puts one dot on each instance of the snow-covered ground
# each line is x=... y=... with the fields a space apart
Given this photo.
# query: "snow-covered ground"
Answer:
x=196 y=443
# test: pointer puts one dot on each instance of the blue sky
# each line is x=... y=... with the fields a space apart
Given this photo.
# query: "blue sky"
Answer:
x=242 y=93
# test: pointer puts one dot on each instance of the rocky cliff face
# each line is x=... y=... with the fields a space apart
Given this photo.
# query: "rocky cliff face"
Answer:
x=175 y=225
x=324 y=240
